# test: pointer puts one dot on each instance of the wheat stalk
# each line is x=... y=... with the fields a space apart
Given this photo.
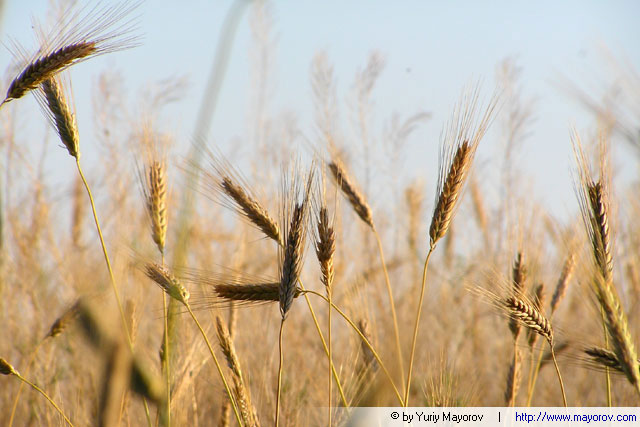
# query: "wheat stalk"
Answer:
x=458 y=149
x=7 y=369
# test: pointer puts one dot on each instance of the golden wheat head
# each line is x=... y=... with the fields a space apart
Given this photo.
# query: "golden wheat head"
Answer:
x=85 y=33
x=459 y=146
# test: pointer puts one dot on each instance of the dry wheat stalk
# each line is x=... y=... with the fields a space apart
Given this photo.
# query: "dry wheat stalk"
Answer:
x=563 y=282
x=351 y=192
x=78 y=37
x=538 y=303
x=559 y=348
x=514 y=377
x=530 y=317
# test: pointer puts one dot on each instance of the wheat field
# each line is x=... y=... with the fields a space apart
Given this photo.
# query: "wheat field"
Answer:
x=171 y=280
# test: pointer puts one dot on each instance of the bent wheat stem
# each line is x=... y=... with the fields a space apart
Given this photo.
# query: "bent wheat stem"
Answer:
x=104 y=252
x=417 y=324
x=26 y=372
x=324 y=343
x=111 y=275
x=555 y=363
x=215 y=360
x=46 y=396
x=364 y=340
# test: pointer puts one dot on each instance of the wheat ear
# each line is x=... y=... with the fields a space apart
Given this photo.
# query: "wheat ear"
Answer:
x=239 y=387
x=530 y=317
x=56 y=107
x=458 y=149
x=78 y=37
x=351 y=192
x=254 y=212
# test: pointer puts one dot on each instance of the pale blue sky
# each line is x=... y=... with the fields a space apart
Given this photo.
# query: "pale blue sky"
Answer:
x=432 y=49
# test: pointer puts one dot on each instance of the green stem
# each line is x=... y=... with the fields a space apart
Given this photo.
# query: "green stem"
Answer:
x=39 y=390
x=111 y=275
x=215 y=360
x=365 y=340
x=393 y=306
x=417 y=324
x=279 y=372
